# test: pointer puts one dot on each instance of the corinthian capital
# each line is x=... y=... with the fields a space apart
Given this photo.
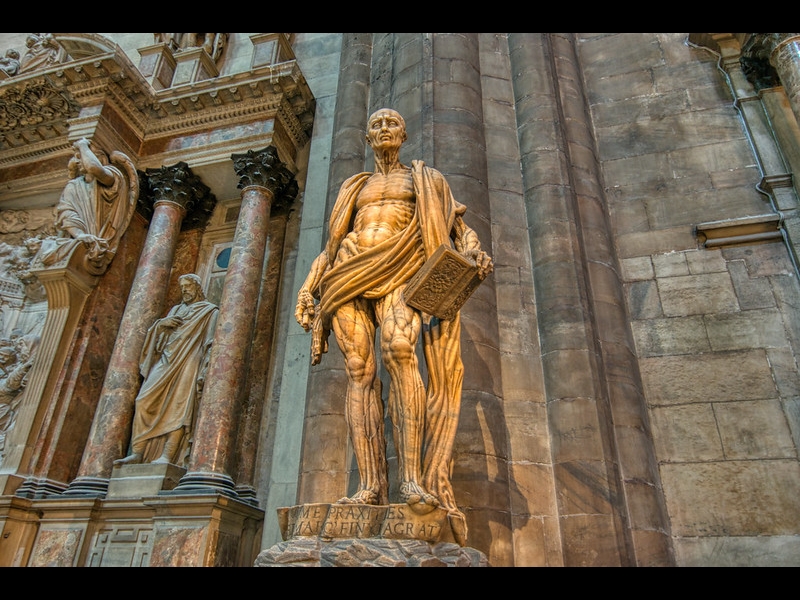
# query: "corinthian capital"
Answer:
x=263 y=168
x=178 y=185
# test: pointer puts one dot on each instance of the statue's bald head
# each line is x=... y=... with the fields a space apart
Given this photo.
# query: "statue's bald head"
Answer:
x=382 y=120
x=387 y=112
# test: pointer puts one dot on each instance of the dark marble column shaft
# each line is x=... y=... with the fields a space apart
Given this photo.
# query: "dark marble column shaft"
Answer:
x=263 y=178
x=176 y=193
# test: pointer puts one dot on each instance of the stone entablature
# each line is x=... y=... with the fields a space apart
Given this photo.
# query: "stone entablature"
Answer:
x=68 y=100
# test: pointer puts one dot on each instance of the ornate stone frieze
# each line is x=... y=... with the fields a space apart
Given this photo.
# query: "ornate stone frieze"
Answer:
x=33 y=110
x=43 y=106
x=35 y=103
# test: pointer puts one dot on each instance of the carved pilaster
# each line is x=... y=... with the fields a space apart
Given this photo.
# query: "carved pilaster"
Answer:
x=67 y=288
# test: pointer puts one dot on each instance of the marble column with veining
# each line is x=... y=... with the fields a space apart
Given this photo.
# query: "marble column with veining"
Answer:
x=263 y=180
x=174 y=191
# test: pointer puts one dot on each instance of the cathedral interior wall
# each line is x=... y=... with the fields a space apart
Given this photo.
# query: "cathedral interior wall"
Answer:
x=631 y=391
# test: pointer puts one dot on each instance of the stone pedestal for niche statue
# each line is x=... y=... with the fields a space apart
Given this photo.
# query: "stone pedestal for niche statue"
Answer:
x=361 y=535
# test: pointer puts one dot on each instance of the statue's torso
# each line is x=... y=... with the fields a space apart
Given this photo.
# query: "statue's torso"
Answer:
x=384 y=206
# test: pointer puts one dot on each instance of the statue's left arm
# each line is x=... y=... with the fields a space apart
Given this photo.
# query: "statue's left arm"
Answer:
x=439 y=211
x=467 y=243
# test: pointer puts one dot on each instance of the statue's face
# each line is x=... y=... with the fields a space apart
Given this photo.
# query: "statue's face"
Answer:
x=6 y=356
x=75 y=167
x=386 y=129
x=190 y=291
x=33 y=245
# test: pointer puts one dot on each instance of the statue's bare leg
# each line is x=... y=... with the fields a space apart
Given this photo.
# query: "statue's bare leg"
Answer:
x=400 y=328
x=355 y=333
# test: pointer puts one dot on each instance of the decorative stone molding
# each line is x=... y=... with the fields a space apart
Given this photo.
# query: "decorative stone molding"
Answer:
x=732 y=232
x=267 y=91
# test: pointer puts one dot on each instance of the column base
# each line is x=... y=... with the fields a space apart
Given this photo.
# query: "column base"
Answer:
x=34 y=488
x=247 y=493
x=87 y=487
x=205 y=483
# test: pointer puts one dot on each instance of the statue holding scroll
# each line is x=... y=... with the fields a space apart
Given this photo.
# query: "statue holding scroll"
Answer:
x=383 y=228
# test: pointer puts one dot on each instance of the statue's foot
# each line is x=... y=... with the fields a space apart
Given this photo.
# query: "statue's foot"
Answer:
x=360 y=497
x=161 y=460
x=132 y=459
x=418 y=499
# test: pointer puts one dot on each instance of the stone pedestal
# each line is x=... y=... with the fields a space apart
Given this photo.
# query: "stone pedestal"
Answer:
x=157 y=65
x=193 y=65
x=372 y=552
x=354 y=535
x=131 y=481
x=127 y=531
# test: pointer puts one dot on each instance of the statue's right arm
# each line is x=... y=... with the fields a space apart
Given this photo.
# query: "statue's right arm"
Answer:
x=92 y=164
x=304 y=310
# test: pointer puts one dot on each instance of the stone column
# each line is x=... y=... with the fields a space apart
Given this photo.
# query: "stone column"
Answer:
x=591 y=377
x=175 y=192
x=785 y=57
x=324 y=473
x=263 y=179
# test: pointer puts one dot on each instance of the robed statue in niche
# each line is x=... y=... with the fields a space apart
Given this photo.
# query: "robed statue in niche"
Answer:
x=173 y=364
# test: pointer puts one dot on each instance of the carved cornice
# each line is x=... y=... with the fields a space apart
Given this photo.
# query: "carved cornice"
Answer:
x=242 y=97
x=67 y=90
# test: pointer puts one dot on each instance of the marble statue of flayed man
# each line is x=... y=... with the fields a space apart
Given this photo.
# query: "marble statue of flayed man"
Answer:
x=383 y=227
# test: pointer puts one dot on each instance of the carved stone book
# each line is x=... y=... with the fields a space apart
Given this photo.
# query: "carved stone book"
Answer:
x=443 y=284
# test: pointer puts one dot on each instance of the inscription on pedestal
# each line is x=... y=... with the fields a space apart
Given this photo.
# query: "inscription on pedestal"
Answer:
x=353 y=521
x=338 y=521
x=305 y=520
